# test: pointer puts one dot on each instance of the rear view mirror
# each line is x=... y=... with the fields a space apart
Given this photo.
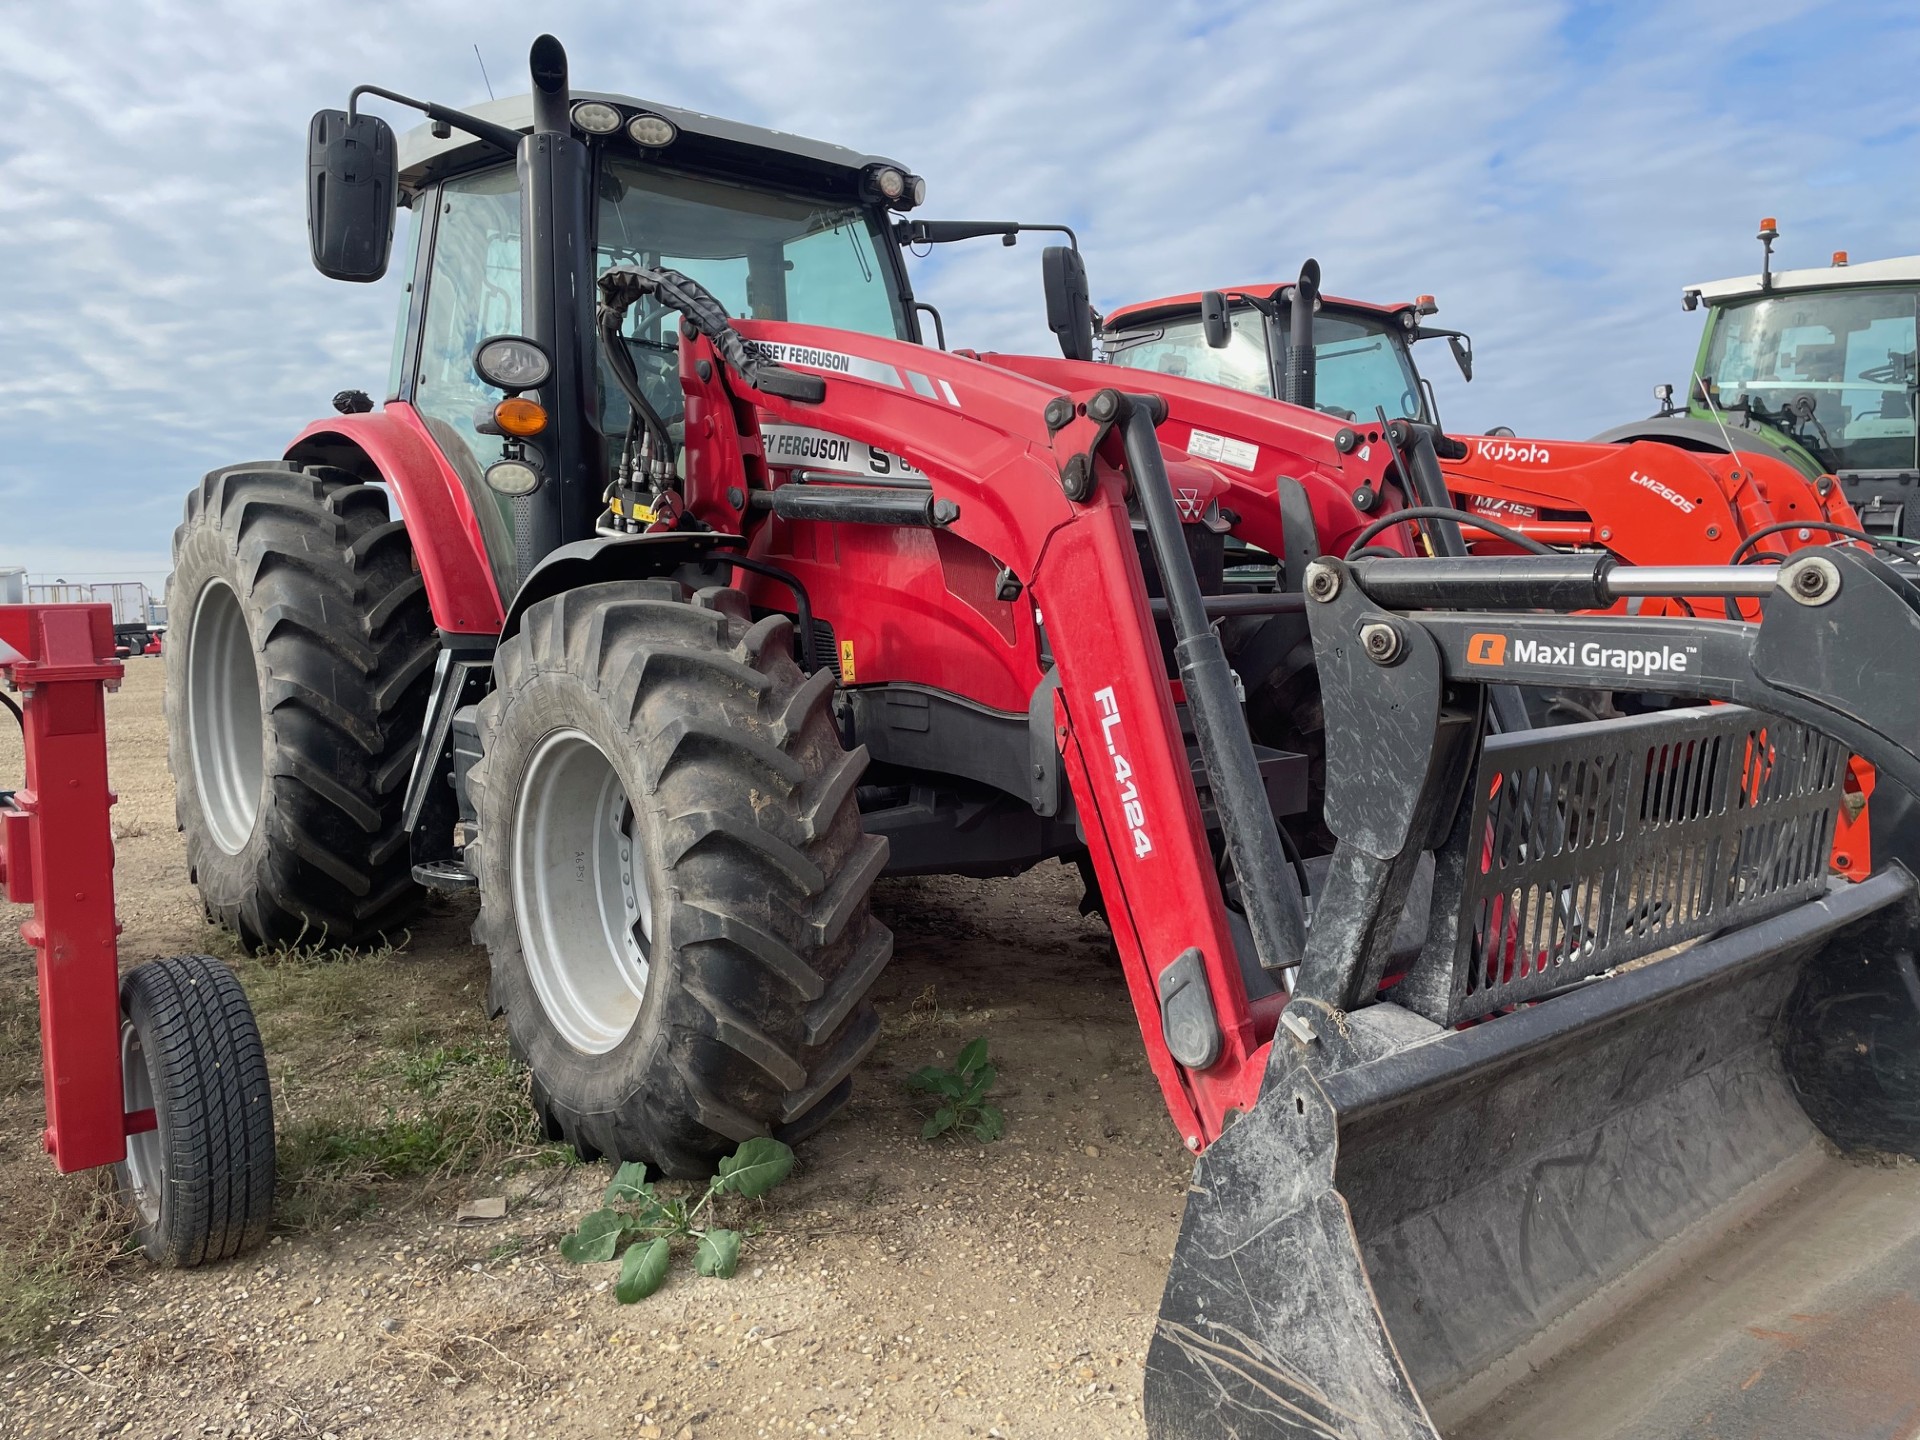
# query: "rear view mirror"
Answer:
x=1214 y=320
x=353 y=180
x=1069 y=308
x=1462 y=354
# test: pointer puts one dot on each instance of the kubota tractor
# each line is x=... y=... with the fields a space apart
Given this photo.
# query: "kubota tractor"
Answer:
x=1641 y=500
x=714 y=592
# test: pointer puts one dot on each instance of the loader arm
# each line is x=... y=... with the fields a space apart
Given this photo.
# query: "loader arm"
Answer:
x=1030 y=476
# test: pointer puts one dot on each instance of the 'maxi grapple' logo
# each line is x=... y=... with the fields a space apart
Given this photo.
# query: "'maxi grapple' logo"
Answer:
x=1496 y=650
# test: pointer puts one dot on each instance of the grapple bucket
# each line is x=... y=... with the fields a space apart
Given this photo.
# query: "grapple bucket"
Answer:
x=1614 y=1158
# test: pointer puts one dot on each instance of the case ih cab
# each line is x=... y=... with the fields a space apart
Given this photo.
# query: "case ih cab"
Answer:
x=714 y=593
x=1815 y=367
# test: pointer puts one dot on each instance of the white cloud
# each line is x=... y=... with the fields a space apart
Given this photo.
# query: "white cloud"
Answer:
x=1554 y=173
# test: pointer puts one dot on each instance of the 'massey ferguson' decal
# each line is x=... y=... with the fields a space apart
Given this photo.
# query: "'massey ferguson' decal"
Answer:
x=1493 y=649
x=839 y=362
x=1130 y=804
x=799 y=447
x=1527 y=452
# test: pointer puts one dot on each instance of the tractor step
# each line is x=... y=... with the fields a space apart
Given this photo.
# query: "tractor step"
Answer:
x=445 y=875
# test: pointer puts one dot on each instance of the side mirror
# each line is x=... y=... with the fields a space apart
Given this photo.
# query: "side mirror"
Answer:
x=1215 y=321
x=1462 y=354
x=353 y=185
x=1069 y=308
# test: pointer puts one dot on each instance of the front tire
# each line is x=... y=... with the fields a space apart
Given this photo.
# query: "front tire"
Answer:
x=674 y=882
x=298 y=667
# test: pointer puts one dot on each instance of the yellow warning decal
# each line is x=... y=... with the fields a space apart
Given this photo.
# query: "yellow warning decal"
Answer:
x=846 y=662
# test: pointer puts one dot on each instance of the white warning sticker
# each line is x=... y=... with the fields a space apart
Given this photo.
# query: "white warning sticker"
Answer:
x=797 y=447
x=1205 y=445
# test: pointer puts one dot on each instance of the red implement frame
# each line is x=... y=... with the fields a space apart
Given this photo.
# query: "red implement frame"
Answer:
x=56 y=854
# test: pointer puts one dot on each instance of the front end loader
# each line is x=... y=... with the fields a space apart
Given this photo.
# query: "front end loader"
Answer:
x=715 y=593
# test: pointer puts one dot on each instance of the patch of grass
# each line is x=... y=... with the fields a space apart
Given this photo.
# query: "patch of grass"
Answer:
x=317 y=987
x=924 y=1016
x=458 y=1109
x=44 y=1272
x=19 y=1035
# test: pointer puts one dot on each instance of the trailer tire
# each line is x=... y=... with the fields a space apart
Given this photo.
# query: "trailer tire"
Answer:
x=201 y=1181
x=302 y=656
x=674 y=881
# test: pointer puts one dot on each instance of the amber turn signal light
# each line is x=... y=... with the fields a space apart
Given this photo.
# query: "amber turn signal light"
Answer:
x=520 y=417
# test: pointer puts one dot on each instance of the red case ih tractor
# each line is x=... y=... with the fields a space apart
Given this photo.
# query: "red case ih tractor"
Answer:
x=714 y=593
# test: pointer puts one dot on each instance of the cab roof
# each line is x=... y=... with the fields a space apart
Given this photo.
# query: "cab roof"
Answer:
x=1147 y=311
x=705 y=138
x=1904 y=269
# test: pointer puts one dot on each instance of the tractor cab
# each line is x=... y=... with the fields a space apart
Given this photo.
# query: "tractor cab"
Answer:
x=775 y=226
x=1821 y=362
x=1814 y=366
x=1362 y=358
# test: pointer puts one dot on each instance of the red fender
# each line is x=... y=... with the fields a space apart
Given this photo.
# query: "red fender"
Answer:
x=447 y=544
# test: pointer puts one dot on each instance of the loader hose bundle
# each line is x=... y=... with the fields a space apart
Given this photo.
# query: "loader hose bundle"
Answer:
x=624 y=284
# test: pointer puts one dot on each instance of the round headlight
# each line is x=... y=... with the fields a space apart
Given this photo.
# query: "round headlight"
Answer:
x=891 y=183
x=512 y=477
x=653 y=131
x=917 y=186
x=596 y=117
x=512 y=363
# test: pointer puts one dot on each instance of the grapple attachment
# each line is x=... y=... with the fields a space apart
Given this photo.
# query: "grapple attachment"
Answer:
x=1558 y=1178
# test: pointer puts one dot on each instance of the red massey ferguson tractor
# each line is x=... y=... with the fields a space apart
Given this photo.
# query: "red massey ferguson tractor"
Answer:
x=1640 y=500
x=714 y=593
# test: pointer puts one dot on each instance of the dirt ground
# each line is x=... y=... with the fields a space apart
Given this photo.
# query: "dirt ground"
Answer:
x=897 y=1288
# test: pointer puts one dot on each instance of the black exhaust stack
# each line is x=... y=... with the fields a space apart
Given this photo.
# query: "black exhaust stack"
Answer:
x=556 y=294
x=1297 y=371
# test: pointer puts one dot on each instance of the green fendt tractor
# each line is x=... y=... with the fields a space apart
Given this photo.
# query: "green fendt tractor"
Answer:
x=1816 y=366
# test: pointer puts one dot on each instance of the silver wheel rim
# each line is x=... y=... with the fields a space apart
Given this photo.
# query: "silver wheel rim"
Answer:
x=223 y=717
x=580 y=892
x=146 y=1162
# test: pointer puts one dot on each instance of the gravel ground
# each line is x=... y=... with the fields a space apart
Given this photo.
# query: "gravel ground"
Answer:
x=897 y=1287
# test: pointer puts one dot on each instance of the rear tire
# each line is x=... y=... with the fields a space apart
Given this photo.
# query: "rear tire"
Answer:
x=674 y=882
x=201 y=1181
x=298 y=668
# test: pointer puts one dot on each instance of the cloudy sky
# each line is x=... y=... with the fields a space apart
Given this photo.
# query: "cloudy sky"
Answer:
x=1554 y=172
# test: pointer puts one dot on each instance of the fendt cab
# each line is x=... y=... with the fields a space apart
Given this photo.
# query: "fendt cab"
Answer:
x=1815 y=367
x=714 y=593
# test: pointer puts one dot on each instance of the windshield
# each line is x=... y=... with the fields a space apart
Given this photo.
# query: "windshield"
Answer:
x=1360 y=363
x=1834 y=369
x=765 y=256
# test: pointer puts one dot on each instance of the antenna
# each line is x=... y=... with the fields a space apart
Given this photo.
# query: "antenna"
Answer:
x=483 y=70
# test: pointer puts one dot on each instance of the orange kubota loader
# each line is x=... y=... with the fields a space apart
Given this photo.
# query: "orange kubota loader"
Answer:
x=710 y=599
x=1645 y=502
